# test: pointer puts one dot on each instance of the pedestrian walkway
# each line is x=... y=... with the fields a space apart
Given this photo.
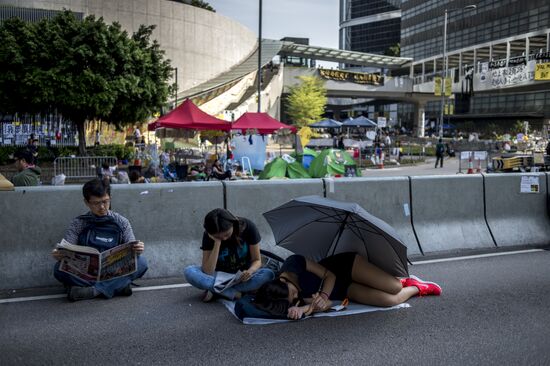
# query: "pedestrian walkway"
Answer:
x=450 y=166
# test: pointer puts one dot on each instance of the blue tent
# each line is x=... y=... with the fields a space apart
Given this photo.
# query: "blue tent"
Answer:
x=360 y=121
x=326 y=123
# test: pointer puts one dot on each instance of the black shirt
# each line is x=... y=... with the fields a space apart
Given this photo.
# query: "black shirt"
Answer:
x=309 y=282
x=231 y=257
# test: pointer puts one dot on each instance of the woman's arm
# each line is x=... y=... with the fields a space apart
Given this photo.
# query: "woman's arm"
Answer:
x=256 y=262
x=321 y=300
x=210 y=257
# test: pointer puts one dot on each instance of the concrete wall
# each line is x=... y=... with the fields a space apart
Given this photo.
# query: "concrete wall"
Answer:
x=385 y=198
x=517 y=218
x=448 y=214
x=252 y=198
x=166 y=217
x=200 y=43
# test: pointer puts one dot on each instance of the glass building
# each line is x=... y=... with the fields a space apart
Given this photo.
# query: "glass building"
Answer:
x=493 y=35
x=371 y=26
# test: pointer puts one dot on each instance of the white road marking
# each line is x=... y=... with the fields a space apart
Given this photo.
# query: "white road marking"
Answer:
x=57 y=296
x=476 y=256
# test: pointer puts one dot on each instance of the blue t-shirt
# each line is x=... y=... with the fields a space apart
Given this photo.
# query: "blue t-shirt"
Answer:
x=232 y=257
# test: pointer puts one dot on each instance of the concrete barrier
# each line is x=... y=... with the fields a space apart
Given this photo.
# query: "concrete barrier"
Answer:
x=517 y=218
x=166 y=217
x=386 y=198
x=448 y=213
x=32 y=221
x=251 y=199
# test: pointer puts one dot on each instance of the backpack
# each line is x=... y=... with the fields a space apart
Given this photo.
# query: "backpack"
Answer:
x=101 y=233
x=440 y=149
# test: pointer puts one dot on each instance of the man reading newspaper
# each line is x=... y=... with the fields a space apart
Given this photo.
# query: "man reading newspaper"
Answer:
x=103 y=230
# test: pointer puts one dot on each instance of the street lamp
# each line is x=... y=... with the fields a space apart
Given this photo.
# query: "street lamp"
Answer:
x=446 y=64
x=260 y=57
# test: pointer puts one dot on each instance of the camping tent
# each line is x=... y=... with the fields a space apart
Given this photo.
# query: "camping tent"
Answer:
x=332 y=162
x=306 y=157
x=262 y=122
x=188 y=115
x=280 y=168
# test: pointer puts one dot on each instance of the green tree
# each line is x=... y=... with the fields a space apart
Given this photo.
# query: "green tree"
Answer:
x=394 y=50
x=306 y=100
x=85 y=69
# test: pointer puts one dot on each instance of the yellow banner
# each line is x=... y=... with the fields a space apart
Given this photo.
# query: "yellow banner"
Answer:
x=437 y=86
x=542 y=71
x=451 y=108
x=448 y=86
x=446 y=109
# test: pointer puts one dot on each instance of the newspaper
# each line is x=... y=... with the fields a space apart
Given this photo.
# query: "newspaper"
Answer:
x=89 y=264
x=226 y=280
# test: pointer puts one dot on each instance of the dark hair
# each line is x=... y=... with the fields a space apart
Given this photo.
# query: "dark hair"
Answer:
x=105 y=165
x=96 y=187
x=134 y=176
x=24 y=154
x=272 y=297
x=219 y=220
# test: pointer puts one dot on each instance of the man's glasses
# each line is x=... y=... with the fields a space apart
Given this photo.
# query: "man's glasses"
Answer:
x=104 y=203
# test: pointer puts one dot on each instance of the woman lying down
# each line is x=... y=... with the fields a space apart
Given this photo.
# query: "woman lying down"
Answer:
x=304 y=287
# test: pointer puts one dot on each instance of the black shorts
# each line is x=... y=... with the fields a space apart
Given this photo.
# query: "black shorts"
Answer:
x=341 y=265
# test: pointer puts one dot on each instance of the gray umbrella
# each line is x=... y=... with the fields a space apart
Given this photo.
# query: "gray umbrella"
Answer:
x=360 y=121
x=318 y=227
x=326 y=123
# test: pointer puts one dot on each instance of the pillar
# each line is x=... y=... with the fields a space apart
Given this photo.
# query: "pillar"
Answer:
x=419 y=117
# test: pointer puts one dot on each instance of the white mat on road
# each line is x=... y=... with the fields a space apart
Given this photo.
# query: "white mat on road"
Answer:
x=351 y=309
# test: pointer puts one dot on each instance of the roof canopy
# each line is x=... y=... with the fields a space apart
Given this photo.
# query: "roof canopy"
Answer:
x=188 y=115
x=262 y=122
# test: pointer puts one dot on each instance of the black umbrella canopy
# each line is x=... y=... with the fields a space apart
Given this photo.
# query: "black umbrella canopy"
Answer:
x=318 y=227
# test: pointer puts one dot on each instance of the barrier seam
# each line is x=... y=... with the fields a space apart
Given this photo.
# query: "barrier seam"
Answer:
x=411 y=211
x=224 y=195
x=485 y=212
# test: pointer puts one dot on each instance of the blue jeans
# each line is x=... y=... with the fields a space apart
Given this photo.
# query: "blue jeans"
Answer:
x=107 y=288
x=196 y=277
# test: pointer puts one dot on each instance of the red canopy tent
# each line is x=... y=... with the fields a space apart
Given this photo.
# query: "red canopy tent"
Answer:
x=262 y=122
x=188 y=115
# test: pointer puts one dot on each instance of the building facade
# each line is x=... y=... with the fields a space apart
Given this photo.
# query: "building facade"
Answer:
x=496 y=38
x=371 y=26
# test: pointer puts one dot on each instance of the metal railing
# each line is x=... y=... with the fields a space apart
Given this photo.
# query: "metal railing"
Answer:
x=80 y=167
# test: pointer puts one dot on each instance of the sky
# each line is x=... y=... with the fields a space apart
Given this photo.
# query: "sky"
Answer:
x=316 y=20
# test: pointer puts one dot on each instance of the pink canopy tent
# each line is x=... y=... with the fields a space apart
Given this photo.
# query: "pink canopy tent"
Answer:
x=262 y=122
x=188 y=115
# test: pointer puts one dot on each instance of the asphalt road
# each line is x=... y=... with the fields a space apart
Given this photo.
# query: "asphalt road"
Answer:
x=493 y=311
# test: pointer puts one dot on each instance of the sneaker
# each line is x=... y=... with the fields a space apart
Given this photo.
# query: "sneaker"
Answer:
x=425 y=288
x=125 y=291
x=77 y=293
x=208 y=296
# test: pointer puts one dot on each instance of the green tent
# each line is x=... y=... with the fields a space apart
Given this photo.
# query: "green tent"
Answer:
x=332 y=162
x=306 y=157
x=279 y=168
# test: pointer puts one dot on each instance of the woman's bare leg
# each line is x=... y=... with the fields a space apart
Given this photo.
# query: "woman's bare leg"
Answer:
x=368 y=274
x=370 y=296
